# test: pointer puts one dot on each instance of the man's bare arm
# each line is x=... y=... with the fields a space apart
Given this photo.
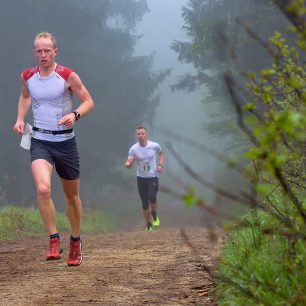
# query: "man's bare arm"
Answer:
x=24 y=104
x=86 y=101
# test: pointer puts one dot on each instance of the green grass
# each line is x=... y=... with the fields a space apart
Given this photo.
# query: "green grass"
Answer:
x=260 y=269
x=96 y=221
x=18 y=222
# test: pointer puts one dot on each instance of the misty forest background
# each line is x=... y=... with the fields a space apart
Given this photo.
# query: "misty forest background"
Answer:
x=137 y=59
x=96 y=39
x=221 y=86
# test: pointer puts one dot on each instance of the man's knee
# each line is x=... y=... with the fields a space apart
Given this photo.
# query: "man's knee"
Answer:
x=43 y=191
x=146 y=211
x=152 y=200
x=73 y=198
x=145 y=205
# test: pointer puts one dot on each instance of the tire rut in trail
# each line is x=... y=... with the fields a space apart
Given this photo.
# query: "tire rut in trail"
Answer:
x=130 y=268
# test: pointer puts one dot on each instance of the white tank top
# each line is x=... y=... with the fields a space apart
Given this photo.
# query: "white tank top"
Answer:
x=51 y=100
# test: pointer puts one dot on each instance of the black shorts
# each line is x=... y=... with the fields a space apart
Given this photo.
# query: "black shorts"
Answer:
x=147 y=188
x=62 y=155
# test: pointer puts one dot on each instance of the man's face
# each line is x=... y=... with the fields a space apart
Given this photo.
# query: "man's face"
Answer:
x=141 y=135
x=45 y=52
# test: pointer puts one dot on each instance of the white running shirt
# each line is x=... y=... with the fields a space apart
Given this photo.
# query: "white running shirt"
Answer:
x=146 y=158
x=51 y=100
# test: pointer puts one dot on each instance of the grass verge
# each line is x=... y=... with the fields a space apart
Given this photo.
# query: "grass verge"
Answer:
x=18 y=222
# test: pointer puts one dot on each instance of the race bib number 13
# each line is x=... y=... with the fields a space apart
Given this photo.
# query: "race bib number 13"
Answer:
x=146 y=168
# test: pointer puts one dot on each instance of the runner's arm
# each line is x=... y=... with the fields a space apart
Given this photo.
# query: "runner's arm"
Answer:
x=24 y=104
x=160 y=166
x=78 y=88
x=129 y=162
x=86 y=101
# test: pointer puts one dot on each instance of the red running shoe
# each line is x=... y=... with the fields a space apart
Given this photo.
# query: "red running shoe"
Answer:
x=55 y=250
x=75 y=255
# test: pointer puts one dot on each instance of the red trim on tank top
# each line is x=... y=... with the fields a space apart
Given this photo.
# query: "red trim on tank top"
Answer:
x=63 y=71
x=28 y=73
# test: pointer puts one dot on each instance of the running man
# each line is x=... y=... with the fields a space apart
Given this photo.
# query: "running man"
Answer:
x=145 y=153
x=49 y=87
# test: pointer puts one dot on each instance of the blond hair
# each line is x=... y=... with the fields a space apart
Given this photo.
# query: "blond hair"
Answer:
x=46 y=35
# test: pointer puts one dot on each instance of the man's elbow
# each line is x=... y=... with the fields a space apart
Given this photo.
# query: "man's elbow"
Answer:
x=91 y=105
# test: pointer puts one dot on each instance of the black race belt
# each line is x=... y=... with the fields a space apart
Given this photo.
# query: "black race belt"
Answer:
x=36 y=129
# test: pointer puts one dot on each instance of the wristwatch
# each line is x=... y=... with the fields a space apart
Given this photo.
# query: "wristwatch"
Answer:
x=77 y=115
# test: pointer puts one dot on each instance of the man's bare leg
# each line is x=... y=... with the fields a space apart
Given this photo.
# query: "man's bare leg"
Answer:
x=155 y=219
x=42 y=171
x=74 y=212
x=153 y=207
x=74 y=205
x=147 y=217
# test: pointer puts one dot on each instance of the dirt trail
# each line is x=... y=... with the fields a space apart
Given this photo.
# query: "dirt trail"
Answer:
x=130 y=268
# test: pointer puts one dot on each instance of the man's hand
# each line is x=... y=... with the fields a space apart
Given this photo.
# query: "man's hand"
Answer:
x=67 y=121
x=19 y=127
x=129 y=163
x=160 y=168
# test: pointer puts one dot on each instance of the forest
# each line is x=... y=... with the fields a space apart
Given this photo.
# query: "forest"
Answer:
x=249 y=56
x=260 y=60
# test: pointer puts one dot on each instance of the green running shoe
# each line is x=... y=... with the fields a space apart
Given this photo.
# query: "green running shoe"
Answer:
x=156 y=222
x=149 y=228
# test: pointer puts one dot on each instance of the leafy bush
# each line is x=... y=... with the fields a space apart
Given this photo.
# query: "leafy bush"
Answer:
x=262 y=269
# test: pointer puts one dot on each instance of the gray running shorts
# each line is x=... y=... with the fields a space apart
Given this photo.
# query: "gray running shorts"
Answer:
x=62 y=155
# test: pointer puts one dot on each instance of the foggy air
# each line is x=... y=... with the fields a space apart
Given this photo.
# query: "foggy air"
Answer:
x=128 y=56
